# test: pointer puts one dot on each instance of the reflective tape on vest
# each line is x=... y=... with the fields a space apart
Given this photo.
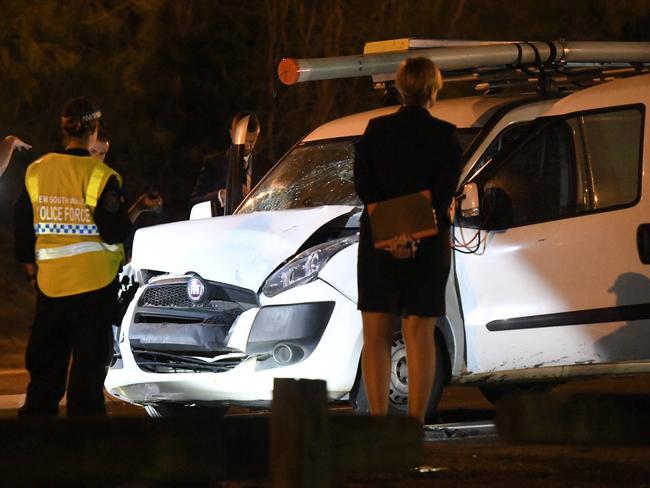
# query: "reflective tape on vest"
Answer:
x=63 y=229
x=94 y=185
x=32 y=188
x=74 y=250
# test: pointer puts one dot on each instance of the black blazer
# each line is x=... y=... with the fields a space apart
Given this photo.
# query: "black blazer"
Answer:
x=214 y=173
x=406 y=152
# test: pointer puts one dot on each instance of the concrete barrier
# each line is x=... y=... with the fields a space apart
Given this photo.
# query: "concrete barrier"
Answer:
x=300 y=445
x=585 y=418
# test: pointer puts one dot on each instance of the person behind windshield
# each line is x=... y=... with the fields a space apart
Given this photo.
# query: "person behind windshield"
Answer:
x=211 y=182
x=7 y=147
x=398 y=154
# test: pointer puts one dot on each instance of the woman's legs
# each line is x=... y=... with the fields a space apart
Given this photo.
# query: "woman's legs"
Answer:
x=421 y=361
x=378 y=331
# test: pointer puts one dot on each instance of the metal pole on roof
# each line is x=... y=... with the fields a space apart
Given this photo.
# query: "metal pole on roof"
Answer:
x=291 y=71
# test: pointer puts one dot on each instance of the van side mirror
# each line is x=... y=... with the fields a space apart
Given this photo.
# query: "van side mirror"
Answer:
x=496 y=212
x=202 y=210
x=469 y=201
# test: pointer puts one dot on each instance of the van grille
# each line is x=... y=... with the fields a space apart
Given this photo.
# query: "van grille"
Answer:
x=171 y=334
x=172 y=295
x=160 y=362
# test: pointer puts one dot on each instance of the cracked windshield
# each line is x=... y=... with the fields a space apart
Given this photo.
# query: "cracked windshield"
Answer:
x=310 y=175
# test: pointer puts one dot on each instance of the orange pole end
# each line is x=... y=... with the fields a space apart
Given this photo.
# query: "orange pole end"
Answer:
x=288 y=71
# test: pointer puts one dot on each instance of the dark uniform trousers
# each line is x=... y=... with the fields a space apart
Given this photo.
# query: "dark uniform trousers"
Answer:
x=77 y=326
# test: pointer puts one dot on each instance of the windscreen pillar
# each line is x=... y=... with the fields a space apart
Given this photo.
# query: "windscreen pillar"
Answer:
x=234 y=181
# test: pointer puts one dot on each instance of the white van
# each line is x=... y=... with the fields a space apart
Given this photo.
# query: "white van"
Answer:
x=549 y=279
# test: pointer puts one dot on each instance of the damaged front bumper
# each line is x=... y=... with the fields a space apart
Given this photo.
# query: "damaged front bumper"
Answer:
x=168 y=347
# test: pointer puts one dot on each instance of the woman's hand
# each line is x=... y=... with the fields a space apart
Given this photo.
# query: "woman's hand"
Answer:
x=403 y=246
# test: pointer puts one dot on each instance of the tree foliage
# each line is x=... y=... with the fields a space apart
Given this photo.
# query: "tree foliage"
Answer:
x=169 y=74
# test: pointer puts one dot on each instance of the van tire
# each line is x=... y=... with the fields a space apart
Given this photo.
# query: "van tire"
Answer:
x=164 y=410
x=398 y=392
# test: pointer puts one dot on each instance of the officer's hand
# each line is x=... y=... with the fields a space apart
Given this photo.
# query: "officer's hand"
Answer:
x=147 y=202
x=152 y=204
x=30 y=274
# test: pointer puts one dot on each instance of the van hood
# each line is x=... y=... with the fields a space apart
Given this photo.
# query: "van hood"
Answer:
x=240 y=250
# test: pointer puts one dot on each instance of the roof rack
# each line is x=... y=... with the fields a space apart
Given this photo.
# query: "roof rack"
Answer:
x=489 y=64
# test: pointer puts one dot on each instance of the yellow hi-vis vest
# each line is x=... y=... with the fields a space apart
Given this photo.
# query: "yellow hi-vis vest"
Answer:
x=71 y=256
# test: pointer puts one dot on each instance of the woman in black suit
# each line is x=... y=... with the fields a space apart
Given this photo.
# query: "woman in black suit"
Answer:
x=403 y=153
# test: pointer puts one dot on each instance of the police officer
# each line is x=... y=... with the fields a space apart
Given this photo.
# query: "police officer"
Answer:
x=70 y=223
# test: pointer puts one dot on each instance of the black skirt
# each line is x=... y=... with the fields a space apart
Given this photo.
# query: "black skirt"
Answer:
x=403 y=287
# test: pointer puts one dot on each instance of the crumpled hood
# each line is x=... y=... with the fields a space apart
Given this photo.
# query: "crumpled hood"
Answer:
x=240 y=250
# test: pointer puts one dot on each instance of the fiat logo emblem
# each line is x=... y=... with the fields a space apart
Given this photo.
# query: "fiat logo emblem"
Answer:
x=195 y=289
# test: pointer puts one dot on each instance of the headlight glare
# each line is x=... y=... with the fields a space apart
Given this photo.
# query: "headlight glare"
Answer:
x=305 y=266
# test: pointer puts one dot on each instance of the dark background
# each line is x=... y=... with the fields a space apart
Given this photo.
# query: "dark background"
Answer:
x=169 y=74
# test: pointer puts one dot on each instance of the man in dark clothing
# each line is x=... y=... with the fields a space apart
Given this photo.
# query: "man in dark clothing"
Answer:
x=211 y=183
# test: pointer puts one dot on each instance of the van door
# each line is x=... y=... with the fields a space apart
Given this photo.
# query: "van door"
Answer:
x=557 y=278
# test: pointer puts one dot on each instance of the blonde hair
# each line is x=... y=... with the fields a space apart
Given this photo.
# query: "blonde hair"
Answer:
x=418 y=80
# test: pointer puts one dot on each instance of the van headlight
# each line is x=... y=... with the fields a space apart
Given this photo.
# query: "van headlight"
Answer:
x=305 y=266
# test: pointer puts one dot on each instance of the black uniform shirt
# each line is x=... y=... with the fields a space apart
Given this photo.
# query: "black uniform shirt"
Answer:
x=111 y=217
x=214 y=174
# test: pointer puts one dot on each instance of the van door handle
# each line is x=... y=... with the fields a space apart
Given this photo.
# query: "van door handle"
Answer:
x=643 y=242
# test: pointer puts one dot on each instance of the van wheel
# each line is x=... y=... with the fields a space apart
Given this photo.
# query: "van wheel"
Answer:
x=163 y=410
x=398 y=390
x=494 y=393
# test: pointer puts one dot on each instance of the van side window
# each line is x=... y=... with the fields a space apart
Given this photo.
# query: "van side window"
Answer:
x=580 y=164
x=613 y=149
x=505 y=140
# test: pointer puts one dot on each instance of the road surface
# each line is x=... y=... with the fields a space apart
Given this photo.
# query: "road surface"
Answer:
x=468 y=452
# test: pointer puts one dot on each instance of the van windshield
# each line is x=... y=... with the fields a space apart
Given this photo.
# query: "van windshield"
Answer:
x=314 y=174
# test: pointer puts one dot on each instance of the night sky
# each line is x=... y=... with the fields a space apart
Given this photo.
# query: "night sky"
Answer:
x=168 y=75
